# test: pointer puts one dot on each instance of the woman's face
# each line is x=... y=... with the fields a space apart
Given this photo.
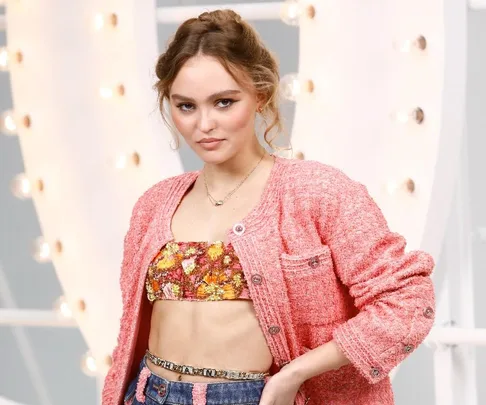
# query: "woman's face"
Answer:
x=212 y=112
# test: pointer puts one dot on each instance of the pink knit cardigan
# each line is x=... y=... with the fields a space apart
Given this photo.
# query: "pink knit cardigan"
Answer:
x=321 y=264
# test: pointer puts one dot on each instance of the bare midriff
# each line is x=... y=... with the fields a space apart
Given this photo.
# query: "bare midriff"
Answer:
x=212 y=334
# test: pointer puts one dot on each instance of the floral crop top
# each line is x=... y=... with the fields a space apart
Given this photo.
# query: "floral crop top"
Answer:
x=196 y=271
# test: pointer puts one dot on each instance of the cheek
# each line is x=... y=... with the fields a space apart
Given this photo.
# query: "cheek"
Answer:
x=241 y=118
x=183 y=123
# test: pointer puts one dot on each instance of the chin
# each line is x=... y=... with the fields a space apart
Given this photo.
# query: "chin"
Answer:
x=215 y=156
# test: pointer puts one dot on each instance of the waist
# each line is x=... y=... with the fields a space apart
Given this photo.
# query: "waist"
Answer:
x=161 y=391
x=206 y=372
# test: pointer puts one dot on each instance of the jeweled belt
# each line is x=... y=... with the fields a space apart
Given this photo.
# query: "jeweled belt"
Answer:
x=205 y=372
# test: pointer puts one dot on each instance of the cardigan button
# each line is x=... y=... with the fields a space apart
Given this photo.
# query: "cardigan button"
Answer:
x=273 y=330
x=314 y=262
x=239 y=229
x=256 y=279
x=407 y=348
x=429 y=312
x=375 y=372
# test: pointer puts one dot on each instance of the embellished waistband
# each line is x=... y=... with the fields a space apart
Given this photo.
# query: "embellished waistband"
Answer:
x=205 y=372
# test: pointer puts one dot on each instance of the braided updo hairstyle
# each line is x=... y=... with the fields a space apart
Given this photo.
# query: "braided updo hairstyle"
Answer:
x=222 y=34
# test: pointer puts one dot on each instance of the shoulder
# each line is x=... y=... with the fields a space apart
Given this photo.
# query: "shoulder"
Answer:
x=157 y=194
x=310 y=177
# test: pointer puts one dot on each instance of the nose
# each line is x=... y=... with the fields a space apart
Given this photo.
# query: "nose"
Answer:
x=206 y=122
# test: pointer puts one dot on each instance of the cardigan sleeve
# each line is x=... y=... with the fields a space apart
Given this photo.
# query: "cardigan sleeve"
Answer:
x=391 y=289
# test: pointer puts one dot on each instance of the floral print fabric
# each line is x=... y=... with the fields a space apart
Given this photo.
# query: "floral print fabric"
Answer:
x=196 y=271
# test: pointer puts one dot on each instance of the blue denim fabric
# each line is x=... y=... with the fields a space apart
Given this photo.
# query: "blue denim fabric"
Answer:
x=159 y=391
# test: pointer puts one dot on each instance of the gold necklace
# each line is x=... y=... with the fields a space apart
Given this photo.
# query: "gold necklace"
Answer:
x=218 y=203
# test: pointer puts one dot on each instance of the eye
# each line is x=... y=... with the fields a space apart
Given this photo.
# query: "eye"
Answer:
x=185 y=107
x=225 y=103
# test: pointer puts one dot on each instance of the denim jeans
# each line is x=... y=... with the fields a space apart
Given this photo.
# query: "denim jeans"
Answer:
x=150 y=389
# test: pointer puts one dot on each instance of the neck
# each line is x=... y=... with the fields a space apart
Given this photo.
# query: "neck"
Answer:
x=223 y=175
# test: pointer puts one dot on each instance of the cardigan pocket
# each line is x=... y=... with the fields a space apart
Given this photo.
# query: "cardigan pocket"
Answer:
x=311 y=286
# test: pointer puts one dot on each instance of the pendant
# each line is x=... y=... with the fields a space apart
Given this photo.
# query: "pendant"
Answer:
x=218 y=203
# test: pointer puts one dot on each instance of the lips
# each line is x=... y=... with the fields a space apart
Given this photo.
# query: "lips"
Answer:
x=210 y=144
x=210 y=140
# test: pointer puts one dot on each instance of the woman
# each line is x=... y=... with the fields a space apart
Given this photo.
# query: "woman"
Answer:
x=257 y=280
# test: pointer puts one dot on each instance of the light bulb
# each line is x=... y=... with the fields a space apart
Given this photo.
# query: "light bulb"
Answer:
x=408 y=45
x=291 y=86
x=407 y=185
x=41 y=250
x=21 y=187
x=103 y=20
x=88 y=365
x=62 y=307
x=99 y=21
x=110 y=92
x=403 y=116
x=122 y=161
x=292 y=11
x=7 y=123
x=106 y=92
x=11 y=121
x=3 y=59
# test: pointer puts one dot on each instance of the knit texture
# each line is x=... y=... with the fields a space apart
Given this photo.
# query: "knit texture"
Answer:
x=326 y=267
x=199 y=391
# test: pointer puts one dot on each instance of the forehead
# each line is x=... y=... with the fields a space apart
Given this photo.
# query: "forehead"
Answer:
x=202 y=76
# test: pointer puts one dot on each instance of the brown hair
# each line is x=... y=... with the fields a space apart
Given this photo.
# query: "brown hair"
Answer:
x=222 y=34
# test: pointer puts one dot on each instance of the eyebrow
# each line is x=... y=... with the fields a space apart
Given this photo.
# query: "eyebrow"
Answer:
x=211 y=97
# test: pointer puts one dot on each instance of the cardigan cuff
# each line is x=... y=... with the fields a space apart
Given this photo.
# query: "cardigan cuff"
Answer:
x=359 y=354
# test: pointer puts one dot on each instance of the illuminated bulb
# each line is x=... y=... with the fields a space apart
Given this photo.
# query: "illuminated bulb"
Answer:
x=88 y=365
x=291 y=86
x=408 y=185
x=293 y=10
x=106 y=92
x=102 y=20
x=7 y=123
x=109 y=92
x=3 y=59
x=99 y=21
x=6 y=58
x=21 y=187
x=62 y=307
x=41 y=250
x=408 y=45
x=416 y=115
x=123 y=160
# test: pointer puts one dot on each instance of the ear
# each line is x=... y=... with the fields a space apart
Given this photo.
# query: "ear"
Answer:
x=260 y=102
